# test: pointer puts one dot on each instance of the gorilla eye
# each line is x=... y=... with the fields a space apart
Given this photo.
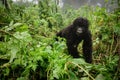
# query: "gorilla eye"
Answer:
x=79 y=30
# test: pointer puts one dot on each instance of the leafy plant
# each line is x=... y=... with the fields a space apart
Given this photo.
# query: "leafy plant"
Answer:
x=29 y=51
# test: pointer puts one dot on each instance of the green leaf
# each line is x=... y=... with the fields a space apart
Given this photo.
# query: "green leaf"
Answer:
x=100 y=77
x=21 y=78
x=85 y=78
x=55 y=73
x=21 y=28
x=12 y=26
x=25 y=36
x=13 y=54
x=72 y=76
x=79 y=61
x=6 y=71
x=17 y=24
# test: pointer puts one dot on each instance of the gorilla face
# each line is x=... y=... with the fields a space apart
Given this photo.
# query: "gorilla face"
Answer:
x=80 y=30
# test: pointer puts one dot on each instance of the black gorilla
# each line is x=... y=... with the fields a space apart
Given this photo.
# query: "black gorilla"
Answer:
x=74 y=34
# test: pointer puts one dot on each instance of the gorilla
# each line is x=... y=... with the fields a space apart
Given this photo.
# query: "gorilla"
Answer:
x=77 y=32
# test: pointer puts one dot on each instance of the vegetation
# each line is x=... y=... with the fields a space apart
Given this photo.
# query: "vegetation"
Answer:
x=29 y=51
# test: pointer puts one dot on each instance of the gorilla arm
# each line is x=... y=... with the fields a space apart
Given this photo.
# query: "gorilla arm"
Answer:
x=87 y=48
x=66 y=32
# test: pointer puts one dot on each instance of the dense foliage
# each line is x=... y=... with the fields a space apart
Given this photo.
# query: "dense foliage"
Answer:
x=29 y=51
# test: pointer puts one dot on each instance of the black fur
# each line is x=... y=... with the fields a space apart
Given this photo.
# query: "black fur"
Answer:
x=73 y=38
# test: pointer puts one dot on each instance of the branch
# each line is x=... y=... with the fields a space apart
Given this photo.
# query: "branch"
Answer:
x=4 y=32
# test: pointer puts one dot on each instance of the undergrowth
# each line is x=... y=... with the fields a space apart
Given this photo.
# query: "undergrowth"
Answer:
x=29 y=50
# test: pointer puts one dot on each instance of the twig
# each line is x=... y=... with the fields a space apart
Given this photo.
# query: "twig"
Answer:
x=83 y=70
x=5 y=65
